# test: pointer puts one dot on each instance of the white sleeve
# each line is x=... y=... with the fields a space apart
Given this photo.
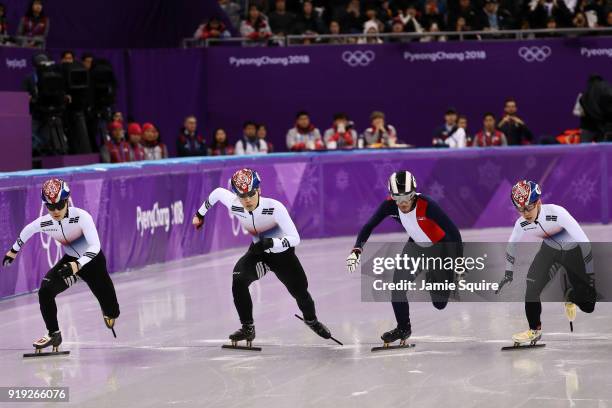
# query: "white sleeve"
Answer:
x=571 y=226
x=263 y=146
x=219 y=194
x=291 y=237
x=239 y=149
x=461 y=138
x=26 y=233
x=91 y=236
x=516 y=235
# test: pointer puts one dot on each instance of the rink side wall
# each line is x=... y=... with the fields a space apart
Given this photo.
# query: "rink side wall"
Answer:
x=143 y=211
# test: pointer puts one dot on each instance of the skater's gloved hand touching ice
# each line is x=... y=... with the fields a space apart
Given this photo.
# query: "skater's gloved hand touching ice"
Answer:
x=68 y=273
x=262 y=245
x=198 y=221
x=353 y=260
x=9 y=258
x=507 y=279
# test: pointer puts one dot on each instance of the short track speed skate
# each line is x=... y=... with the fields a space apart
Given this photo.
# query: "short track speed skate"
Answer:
x=531 y=337
x=319 y=328
x=110 y=324
x=247 y=333
x=393 y=335
x=54 y=340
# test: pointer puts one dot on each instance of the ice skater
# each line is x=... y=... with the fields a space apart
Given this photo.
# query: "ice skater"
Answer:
x=273 y=249
x=75 y=230
x=564 y=244
x=425 y=222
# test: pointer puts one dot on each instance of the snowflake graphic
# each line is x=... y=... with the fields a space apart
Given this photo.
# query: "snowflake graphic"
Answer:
x=465 y=193
x=342 y=180
x=583 y=189
x=558 y=173
x=530 y=162
x=489 y=174
x=333 y=206
x=436 y=191
x=364 y=213
x=309 y=188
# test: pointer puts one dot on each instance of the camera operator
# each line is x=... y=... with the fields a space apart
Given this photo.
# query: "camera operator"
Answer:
x=517 y=133
x=77 y=90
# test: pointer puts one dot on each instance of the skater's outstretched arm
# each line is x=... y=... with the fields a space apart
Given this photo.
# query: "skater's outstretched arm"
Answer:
x=515 y=237
x=387 y=208
x=218 y=194
x=25 y=234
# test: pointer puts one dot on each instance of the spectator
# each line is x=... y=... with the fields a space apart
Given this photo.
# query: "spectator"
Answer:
x=232 y=9
x=432 y=38
x=213 y=29
x=308 y=22
x=220 y=146
x=462 y=123
x=281 y=21
x=489 y=135
x=67 y=57
x=593 y=11
x=596 y=111
x=450 y=135
x=372 y=15
x=154 y=149
x=115 y=150
x=304 y=136
x=262 y=133
x=580 y=21
x=351 y=20
x=409 y=19
x=542 y=10
x=432 y=16
x=250 y=144
x=189 y=141
x=135 y=141
x=117 y=116
x=608 y=21
x=513 y=127
x=341 y=135
x=34 y=25
x=3 y=23
x=398 y=28
x=370 y=28
x=379 y=134
x=335 y=29
x=465 y=11
x=493 y=18
x=255 y=27
x=87 y=60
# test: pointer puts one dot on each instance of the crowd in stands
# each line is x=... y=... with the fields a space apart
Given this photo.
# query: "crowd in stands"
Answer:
x=32 y=30
x=266 y=18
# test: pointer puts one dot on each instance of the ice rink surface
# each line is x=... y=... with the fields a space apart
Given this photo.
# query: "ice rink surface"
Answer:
x=174 y=318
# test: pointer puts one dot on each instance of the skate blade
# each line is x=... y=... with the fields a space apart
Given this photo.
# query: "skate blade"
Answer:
x=520 y=346
x=237 y=347
x=404 y=346
x=46 y=354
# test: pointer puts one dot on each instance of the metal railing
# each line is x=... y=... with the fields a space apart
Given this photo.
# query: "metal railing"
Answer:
x=22 y=41
x=327 y=39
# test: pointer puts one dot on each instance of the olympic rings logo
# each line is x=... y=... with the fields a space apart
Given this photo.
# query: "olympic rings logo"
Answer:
x=535 y=54
x=358 y=58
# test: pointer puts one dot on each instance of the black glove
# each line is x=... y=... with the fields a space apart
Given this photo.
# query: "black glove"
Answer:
x=65 y=271
x=507 y=279
x=7 y=261
x=260 y=246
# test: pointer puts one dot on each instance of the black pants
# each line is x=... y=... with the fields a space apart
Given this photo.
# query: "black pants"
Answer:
x=439 y=298
x=96 y=276
x=580 y=288
x=288 y=270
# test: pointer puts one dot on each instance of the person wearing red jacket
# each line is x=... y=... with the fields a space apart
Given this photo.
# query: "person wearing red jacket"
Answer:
x=212 y=29
x=255 y=27
x=135 y=142
x=489 y=135
x=154 y=149
x=341 y=135
x=304 y=135
x=115 y=150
